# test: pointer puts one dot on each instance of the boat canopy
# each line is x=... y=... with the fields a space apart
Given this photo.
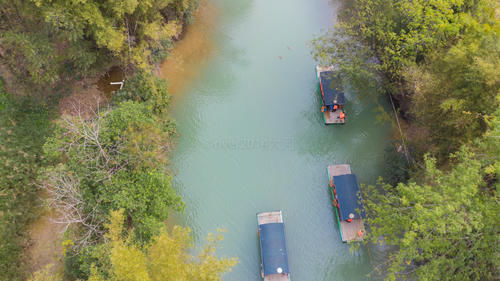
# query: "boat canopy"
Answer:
x=331 y=87
x=348 y=195
x=273 y=248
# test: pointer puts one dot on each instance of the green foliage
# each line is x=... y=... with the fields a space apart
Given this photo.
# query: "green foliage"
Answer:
x=444 y=225
x=146 y=195
x=145 y=87
x=396 y=165
x=23 y=128
x=403 y=32
x=129 y=30
x=113 y=160
x=438 y=59
x=45 y=41
x=166 y=257
x=458 y=88
x=30 y=54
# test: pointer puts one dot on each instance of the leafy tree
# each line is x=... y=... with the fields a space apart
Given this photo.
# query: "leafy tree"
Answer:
x=145 y=87
x=166 y=257
x=46 y=41
x=456 y=92
x=437 y=59
x=403 y=32
x=114 y=159
x=444 y=226
x=130 y=29
x=31 y=55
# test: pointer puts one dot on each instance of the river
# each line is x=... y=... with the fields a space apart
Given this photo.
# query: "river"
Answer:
x=252 y=139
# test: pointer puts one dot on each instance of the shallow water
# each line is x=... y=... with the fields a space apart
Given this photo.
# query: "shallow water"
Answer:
x=196 y=47
x=253 y=140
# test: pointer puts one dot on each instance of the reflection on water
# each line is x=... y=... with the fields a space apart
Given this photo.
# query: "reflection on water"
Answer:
x=185 y=60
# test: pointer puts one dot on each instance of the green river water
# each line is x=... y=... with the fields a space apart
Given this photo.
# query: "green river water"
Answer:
x=252 y=139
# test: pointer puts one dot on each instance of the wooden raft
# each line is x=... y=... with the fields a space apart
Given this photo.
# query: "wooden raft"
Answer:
x=348 y=230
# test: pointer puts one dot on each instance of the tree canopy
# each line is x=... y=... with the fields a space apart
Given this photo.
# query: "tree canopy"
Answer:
x=111 y=160
x=444 y=224
x=166 y=257
x=45 y=41
x=439 y=61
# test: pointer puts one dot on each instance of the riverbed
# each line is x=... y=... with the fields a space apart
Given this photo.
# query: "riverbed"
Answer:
x=252 y=139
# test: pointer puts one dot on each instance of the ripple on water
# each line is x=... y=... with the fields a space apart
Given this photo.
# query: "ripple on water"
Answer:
x=253 y=139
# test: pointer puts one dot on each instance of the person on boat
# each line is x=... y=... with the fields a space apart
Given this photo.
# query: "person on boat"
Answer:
x=335 y=107
x=342 y=116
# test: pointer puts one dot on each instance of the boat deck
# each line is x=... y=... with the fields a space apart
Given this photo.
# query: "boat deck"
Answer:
x=333 y=117
x=270 y=217
x=348 y=230
x=277 y=277
x=338 y=170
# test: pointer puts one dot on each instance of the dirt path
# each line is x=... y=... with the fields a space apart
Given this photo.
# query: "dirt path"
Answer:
x=46 y=236
x=46 y=242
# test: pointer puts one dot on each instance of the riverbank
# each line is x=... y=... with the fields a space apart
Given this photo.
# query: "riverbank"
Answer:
x=439 y=64
x=45 y=235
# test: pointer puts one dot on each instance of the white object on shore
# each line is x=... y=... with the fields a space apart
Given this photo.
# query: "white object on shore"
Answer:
x=118 y=83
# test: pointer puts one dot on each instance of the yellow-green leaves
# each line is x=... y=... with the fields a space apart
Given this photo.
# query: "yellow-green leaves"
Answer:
x=122 y=7
x=131 y=30
x=46 y=274
x=165 y=258
x=128 y=262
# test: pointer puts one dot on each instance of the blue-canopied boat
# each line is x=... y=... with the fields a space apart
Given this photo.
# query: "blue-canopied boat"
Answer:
x=332 y=95
x=349 y=209
x=273 y=253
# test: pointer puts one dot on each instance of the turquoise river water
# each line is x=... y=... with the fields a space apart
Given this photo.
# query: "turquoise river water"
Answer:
x=252 y=139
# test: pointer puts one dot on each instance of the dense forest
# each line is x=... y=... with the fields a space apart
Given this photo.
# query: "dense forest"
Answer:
x=93 y=160
x=104 y=167
x=439 y=61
